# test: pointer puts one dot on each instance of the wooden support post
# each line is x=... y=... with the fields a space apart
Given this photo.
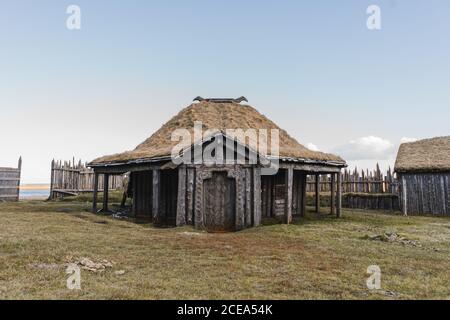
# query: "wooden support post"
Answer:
x=256 y=196
x=304 y=187
x=270 y=197
x=333 y=192
x=248 y=198
x=105 y=192
x=52 y=179
x=94 y=201
x=404 y=196
x=190 y=196
x=240 y=199
x=339 y=196
x=288 y=201
x=181 y=198
x=133 y=181
x=317 y=193
x=155 y=195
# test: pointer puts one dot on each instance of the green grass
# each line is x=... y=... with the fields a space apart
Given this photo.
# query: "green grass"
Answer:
x=314 y=258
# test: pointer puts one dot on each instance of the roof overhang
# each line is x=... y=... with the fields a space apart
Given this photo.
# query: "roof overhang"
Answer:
x=155 y=161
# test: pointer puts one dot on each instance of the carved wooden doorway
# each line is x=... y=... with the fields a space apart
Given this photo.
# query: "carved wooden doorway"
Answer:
x=219 y=204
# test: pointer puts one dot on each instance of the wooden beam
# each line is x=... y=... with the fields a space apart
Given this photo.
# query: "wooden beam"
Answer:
x=333 y=193
x=317 y=193
x=181 y=197
x=339 y=196
x=94 y=200
x=312 y=168
x=256 y=196
x=288 y=200
x=105 y=192
x=156 y=185
x=128 y=168
x=10 y=179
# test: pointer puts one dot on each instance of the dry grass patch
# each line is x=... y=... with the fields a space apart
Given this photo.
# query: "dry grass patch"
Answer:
x=313 y=258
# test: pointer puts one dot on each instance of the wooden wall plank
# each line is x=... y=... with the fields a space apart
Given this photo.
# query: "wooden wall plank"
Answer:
x=190 y=195
x=198 y=211
x=240 y=198
x=181 y=198
x=288 y=193
x=10 y=182
x=156 y=189
x=248 y=198
x=256 y=196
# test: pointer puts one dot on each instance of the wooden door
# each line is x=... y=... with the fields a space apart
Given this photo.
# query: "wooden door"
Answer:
x=219 y=203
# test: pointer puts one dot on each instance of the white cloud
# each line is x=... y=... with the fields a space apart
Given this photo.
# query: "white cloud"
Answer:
x=406 y=140
x=312 y=147
x=366 y=148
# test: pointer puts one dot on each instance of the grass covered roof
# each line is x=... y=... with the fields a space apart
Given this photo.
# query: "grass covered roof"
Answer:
x=220 y=116
x=429 y=155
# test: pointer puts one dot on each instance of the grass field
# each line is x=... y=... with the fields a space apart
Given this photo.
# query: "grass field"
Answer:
x=315 y=258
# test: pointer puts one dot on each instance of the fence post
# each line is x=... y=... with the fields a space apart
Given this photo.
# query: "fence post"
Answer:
x=94 y=200
x=19 y=167
x=317 y=192
x=333 y=191
x=52 y=177
x=339 y=195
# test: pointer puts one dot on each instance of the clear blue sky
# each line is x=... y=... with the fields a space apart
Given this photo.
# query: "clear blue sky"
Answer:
x=311 y=66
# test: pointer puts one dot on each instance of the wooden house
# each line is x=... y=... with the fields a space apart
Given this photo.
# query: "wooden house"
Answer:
x=219 y=196
x=423 y=171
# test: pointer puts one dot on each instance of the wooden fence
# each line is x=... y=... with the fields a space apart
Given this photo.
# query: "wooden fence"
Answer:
x=69 y=178
x=10 y=182
x=362 y=189
x=364 y=181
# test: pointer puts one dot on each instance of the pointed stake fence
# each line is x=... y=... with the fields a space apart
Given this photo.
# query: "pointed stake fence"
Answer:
x=69 y=178
x=363 y=189
x=364 y=181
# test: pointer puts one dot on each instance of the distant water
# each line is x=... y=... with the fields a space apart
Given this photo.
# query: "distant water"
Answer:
x=34 y=193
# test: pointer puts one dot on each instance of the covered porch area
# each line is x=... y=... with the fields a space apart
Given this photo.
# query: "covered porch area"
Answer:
x=152 y=187
x=283 y=195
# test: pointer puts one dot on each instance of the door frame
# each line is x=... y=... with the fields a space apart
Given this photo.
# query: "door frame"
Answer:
x=203 y=173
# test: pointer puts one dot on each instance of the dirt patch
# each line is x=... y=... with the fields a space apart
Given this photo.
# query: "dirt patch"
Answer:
x=392 y=237
x=90 y=265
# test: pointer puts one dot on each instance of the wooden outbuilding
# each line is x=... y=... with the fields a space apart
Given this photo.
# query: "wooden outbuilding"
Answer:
x=423 y=171
x=220 y=195
x=10 y=182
